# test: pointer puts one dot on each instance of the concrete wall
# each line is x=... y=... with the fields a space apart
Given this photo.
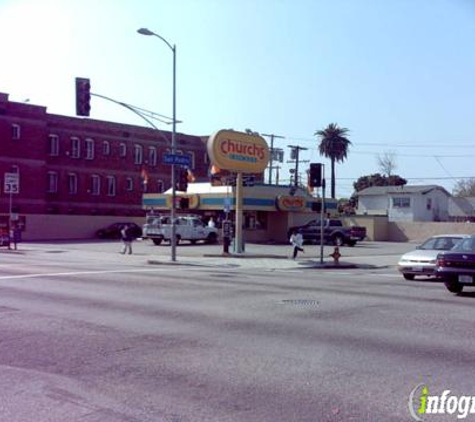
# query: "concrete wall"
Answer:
x=376 y=226
x=50 y=226
x=380 y=229
x=417 y=232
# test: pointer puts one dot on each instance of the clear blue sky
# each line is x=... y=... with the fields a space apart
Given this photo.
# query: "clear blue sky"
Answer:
x=399 y=74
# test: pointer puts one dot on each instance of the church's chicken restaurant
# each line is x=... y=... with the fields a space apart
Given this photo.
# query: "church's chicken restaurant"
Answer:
x=265 y=212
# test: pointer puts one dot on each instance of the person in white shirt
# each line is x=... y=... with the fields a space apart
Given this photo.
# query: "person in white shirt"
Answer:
x=296 y=239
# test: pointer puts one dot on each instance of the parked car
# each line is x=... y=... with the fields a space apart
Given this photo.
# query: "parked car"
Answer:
x=422 y=261
x=457 y=266
x=113 y=231
x=333 y=231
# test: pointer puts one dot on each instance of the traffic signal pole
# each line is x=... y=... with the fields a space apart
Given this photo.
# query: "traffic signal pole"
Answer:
x=322 y=213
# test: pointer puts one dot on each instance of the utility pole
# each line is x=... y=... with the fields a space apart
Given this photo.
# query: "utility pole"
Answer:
x=272 y=136
x=295 y=156
x=277 y=168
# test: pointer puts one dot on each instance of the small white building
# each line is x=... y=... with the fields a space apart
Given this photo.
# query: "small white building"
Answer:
x=405 y=203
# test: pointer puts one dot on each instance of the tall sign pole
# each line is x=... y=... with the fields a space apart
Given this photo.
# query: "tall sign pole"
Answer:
x=241 y=153
x=239 y=217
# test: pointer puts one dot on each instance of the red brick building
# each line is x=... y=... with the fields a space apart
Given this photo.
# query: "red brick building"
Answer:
x=81 y=166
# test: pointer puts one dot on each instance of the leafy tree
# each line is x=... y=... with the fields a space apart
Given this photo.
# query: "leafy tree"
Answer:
x=378 y=179
x=464 y=188
x=334 y=145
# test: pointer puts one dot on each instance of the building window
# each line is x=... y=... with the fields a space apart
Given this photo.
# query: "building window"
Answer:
x=72 y=183
x=96 y=185
x=89 y=149
x=429 y=204
x=129 y=184
x=110 y=186
x=401 y=202
x=122 y=150
x=53 y=145
x=106 y=148
x=152 y=156
x=138 y=154
x=205 y=158
x=52 y=182
x=16 y=131
x=160 y=186
x=75 y=148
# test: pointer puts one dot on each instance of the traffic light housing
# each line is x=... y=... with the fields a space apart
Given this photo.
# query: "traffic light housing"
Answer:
x=315 y=175
x=184 y=203
x=83 y=97
x=183 y=180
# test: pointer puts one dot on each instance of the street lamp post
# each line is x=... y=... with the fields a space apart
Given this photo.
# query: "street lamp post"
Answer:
x=145 y=31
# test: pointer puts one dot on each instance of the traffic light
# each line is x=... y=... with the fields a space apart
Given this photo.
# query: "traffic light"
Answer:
x=183 y=180
x=315 y=179
x=83 y=96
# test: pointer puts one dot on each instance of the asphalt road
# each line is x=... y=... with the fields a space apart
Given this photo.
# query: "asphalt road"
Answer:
x=87 y=334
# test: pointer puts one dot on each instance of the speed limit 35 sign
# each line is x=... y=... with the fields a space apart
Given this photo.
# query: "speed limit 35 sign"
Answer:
x=11 y=183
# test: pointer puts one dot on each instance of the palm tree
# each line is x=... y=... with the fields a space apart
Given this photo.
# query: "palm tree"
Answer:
x=333 y=145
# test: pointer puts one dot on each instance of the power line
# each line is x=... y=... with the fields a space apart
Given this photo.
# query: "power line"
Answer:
x=391 y=145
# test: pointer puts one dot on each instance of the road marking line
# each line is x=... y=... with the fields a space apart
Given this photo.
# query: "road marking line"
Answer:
x=7 y=277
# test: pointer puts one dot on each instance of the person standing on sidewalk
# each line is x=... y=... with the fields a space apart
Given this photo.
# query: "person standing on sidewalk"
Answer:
x=127 y=238
x=296 y=239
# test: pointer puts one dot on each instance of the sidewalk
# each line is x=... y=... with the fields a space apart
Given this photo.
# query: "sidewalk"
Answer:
x=256 y=256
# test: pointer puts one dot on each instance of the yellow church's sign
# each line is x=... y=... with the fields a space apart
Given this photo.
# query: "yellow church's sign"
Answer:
x=238 y=151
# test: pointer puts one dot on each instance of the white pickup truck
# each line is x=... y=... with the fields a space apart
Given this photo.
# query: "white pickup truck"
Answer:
x=159 y=229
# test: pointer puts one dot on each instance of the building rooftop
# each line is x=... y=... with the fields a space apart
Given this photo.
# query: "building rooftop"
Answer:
x=408 y=189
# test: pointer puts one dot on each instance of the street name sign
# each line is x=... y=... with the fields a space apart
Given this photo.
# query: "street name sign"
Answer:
x=180 y=159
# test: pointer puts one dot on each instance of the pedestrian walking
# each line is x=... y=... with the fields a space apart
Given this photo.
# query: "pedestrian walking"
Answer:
x=127 y=238
x=296 y=239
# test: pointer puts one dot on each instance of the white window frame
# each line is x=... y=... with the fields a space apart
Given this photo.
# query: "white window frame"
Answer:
x=106 y=148
x=75 y=147
x=122 y=149
x=72 y=183
x=129 y=184
x=111 y=186
x=89 y=149
x=53 y=145
x=152 y=156
x=138 y=154
x=16 y=131
x=52 y=182
x=95 y=184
